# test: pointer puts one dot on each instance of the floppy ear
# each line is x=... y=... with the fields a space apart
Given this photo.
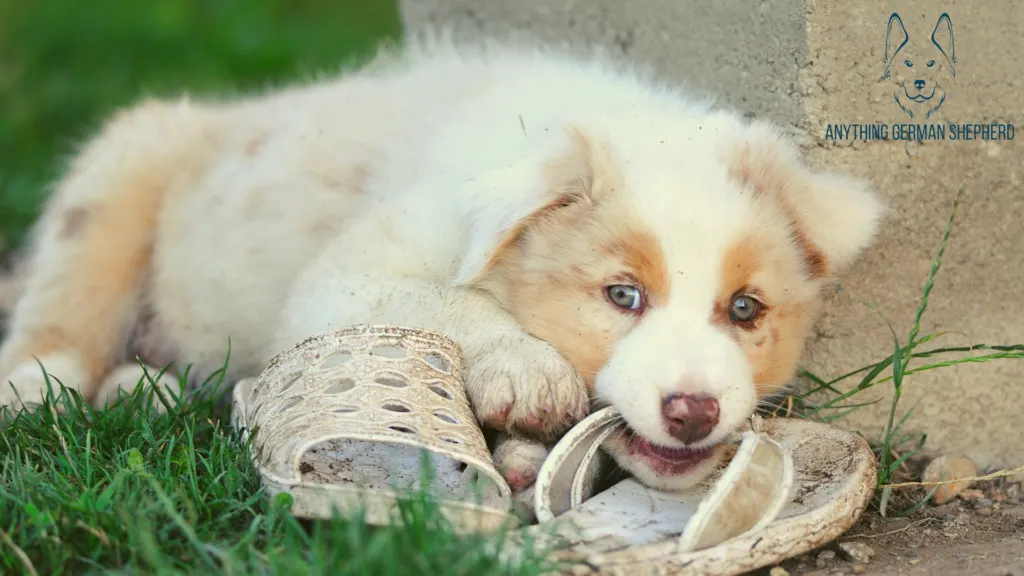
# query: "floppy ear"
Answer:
x=895 y=37
x=942 y=37
x=834 y=217
x=502 y=205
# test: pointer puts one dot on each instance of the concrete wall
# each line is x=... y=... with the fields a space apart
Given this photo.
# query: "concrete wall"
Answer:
x=809 y=64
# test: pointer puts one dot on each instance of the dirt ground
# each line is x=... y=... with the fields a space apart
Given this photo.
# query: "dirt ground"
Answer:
x=981 y=533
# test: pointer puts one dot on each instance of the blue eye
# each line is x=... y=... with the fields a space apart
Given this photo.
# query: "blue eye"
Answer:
x=744 y=308
x=626 y=297
x=931 y=63
x=908 y=63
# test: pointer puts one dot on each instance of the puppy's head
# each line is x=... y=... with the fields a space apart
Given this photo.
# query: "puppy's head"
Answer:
x=679 y=280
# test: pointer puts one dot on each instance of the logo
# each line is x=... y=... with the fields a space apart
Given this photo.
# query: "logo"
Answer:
x=919 y=67
x=919 y=70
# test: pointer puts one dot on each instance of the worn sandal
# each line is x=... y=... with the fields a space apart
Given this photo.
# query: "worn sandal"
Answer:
x=343 y=419
x=791 y=486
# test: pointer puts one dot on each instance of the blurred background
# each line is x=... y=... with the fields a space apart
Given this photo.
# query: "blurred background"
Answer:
x=66 y=64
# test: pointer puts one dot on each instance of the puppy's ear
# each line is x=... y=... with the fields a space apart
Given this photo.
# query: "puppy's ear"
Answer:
x=503 y=204
x=895 y=37
x=942 y=37
x=833 y=217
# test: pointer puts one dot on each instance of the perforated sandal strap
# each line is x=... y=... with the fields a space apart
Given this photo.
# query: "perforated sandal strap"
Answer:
x=365 y=386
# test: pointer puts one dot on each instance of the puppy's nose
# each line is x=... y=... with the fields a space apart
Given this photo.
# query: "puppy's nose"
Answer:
x=690 y=417
x=918 y=84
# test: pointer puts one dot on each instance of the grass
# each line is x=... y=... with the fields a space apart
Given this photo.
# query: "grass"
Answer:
x=894 y=448
x=133 y=490
x=66 y=64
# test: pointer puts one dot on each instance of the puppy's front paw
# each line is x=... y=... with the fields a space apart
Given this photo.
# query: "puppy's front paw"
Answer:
x=524 y=386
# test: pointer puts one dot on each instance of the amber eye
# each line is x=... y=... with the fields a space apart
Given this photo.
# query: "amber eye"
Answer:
x=744 y=308
x=626 y=297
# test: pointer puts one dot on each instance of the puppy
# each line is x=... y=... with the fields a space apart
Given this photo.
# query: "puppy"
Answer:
x=919 y=67
x=582 y=232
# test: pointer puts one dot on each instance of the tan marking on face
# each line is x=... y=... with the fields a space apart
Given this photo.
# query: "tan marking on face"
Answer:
x=554 y=282
x=773 y=343
x=641 y=252
x=740 y=265
x=770 y=177
x=551 y=271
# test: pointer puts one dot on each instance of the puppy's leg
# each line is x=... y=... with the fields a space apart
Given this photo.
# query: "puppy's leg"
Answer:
x=92 y=245
x=514 y=381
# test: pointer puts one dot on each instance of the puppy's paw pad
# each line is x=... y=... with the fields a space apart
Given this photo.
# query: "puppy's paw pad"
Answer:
x=519 y=480
x=545 y=392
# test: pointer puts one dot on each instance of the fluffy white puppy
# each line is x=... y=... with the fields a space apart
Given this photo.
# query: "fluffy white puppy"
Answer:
x=582 y=232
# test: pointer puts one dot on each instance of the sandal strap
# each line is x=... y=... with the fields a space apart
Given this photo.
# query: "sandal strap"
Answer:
x=386 y=388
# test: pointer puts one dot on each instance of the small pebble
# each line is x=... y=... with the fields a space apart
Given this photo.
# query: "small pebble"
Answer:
x=859 y=569
x=962 y=519
x=914 y=561
x=825 y=557
x=971 y=494
x=949 y=468
x=984 y=512
x=778 y=571
x=857 y=552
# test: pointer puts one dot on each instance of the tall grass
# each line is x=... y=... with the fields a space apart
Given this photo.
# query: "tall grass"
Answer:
x=840 y=404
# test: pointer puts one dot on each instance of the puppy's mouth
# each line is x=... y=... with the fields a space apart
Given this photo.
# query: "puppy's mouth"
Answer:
x=667 y=460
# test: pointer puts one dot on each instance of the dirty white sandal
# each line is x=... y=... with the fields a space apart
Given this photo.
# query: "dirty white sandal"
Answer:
x=792 y=485
x=343 y=419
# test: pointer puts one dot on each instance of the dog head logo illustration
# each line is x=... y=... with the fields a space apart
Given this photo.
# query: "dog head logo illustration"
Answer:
x=919 y=68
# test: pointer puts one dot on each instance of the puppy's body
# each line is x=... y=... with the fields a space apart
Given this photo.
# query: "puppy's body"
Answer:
x=579 y=231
